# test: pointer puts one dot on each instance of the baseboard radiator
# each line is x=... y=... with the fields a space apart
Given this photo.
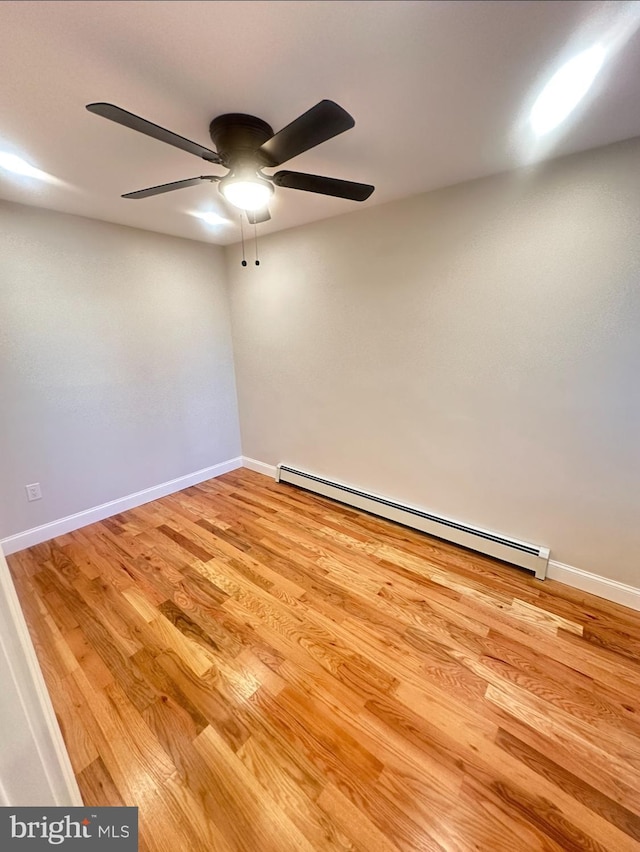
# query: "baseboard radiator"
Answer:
x=521 y=553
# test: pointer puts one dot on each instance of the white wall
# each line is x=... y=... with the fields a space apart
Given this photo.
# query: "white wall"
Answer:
x=474 y=350
x=34 y=765
x=116 y=370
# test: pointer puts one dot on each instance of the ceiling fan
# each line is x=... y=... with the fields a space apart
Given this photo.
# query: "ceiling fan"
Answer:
x=245 y=146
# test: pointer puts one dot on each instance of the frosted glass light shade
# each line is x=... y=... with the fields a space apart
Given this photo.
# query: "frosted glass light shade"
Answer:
x=247 y=194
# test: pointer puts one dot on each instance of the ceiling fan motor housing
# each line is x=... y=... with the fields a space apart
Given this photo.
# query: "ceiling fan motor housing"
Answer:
x=238 y=136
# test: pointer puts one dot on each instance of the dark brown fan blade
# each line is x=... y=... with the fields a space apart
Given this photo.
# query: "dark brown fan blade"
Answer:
x=323 y=121
x=324 y=185
x=257 y=216
x=128 y=119
x=169 y=187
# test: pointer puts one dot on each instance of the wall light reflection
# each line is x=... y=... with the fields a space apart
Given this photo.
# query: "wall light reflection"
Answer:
x=566 y=89
x=19 y=166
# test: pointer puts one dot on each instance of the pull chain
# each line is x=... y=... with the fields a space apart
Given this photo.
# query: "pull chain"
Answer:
x=244 y=262
x=255 y=238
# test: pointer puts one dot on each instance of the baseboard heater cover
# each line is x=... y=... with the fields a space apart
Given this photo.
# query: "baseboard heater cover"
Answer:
x=522 y=553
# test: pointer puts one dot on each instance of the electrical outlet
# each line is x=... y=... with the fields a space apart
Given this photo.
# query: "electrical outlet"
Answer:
x=33 y=492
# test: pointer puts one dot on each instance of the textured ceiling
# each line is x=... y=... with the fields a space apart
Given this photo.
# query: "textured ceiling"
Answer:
x=439 y=91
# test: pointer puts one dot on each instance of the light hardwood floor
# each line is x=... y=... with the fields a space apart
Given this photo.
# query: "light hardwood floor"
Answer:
x=262 y=670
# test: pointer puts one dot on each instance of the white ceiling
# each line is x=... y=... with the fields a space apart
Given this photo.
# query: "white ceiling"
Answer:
x=439 y=92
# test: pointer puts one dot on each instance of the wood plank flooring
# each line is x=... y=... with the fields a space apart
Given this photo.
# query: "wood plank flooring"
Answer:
x=262 y=670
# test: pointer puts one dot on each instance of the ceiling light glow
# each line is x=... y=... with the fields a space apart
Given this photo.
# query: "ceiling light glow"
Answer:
x=246 y=194
x=566 y=89
x=15 y=164
x=211 y=218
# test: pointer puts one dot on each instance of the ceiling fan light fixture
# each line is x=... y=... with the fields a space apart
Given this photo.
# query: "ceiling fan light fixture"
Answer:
x=245 y=145
x=246 y=193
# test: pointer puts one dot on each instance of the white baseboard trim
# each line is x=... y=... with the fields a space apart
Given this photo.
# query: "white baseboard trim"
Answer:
x=603 y=587
x=36 y=535
x=259 y=467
